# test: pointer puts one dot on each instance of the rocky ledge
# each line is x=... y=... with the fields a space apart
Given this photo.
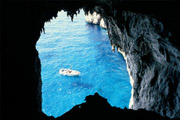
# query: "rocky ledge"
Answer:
x=97 y=107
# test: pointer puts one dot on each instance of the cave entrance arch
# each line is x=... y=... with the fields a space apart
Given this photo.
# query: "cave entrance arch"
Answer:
x=87 y=48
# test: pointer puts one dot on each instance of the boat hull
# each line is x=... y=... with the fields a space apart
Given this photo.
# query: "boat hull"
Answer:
x=69 y=72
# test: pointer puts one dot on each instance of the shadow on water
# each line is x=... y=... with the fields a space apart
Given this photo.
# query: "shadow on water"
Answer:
x=77 y=82
x=81 y=85
x=93 y=26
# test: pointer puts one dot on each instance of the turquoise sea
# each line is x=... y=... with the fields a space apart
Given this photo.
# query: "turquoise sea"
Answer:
x=87 y=48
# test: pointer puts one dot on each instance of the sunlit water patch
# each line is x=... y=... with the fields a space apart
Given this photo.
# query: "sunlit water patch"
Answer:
x=87 y=48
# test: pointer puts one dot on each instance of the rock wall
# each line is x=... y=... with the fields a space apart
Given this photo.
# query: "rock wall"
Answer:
x=153 y=62
x=148 y=41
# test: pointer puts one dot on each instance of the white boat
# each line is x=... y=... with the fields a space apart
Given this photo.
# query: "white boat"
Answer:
x=69 y=72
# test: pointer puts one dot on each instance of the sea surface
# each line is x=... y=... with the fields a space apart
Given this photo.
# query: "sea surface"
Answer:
x=87 y=49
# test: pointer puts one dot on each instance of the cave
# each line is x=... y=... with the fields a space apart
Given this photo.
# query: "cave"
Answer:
x=145 y=32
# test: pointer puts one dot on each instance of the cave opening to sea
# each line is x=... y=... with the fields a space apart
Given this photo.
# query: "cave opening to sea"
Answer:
x=86 y=48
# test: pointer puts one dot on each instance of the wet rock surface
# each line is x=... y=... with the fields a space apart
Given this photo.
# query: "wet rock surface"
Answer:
x=153 y=62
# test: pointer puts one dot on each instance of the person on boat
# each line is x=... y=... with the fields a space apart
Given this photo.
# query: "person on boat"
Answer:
x=68 y=71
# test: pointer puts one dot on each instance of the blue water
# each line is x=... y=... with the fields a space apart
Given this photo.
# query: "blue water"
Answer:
x=87 y=48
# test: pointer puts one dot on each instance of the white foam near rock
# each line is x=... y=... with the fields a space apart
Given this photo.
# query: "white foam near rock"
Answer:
x=92 y=18
x=102 y=23
x=95 y=18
